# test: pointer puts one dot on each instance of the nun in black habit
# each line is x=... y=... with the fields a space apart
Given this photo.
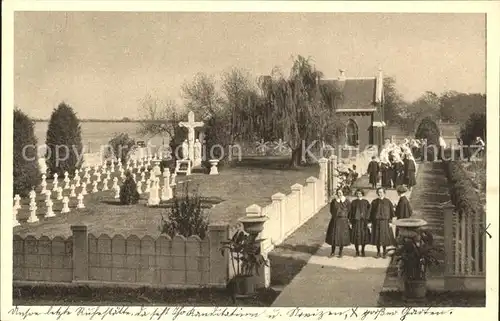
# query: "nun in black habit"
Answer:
x=337 y=233
x=403 y=209
x=359 y=217
x=373 y=170
x=381 y=214
x=409 y=171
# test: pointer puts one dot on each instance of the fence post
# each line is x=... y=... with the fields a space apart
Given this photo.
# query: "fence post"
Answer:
x=278 y=202
x=332 y=175
x=263 y=279
x=323 y=163
x=219 y=265
x=80 y=253
x=311 y=181
x=449 y=260
x=297 y=190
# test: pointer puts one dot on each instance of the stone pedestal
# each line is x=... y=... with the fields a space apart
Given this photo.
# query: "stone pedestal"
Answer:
x=213 y=169
x=253 y=224
x=408 y=228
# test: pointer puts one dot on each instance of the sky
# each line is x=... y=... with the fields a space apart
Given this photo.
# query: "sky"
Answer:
x=104 y=63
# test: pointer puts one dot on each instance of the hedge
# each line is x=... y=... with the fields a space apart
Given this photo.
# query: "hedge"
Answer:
x=464 y=196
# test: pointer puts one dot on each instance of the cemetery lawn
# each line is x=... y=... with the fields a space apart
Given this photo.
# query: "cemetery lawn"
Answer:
x=252 y=181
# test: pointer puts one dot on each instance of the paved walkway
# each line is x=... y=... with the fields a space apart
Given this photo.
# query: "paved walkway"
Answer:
x=334 y=282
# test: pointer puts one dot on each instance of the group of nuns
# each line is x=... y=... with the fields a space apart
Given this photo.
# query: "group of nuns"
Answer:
x=360 y=222
x=396 y=166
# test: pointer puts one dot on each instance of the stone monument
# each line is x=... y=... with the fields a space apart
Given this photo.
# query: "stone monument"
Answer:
x=191 y=125
x=197 y=153
x=154 y=198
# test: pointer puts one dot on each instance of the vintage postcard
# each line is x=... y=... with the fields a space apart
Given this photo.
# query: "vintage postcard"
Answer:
x=169 y=160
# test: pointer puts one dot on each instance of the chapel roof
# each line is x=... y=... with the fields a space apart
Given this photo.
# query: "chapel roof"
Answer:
x=357 y=93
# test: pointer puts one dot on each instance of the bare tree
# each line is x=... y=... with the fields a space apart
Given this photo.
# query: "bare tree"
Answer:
x=159 y=117
x=202 y=97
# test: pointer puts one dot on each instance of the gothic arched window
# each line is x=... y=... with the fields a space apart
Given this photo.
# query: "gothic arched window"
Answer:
x=352 y=133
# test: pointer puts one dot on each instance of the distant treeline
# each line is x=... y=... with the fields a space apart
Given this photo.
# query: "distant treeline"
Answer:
x=103 y=120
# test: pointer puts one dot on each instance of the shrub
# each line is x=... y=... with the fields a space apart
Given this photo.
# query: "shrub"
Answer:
x=128 y=192
x=26 y=173
x=121 y=147
x=474 y=127
x=414 y=257
x=170 y=164
x=64 y=141
x=429 y=130
x=186 y=217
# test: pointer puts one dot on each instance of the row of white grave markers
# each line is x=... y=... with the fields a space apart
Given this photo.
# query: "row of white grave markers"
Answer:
x=98 y=172
x=48 y=202
x=59 y=190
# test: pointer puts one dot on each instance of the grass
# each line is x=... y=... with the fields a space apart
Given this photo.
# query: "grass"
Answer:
x=105 y=295
x=251 y=181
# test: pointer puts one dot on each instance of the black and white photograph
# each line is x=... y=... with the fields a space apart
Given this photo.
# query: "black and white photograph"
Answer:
x=168 y=160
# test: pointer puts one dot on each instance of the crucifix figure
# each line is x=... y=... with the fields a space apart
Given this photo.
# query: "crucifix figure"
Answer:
x=191 y=125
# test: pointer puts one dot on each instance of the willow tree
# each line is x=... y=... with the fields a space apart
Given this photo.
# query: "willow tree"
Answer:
x=298 y=108
x=240 y=100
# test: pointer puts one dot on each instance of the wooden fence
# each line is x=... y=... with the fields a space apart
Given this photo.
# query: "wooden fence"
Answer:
x=465 y=250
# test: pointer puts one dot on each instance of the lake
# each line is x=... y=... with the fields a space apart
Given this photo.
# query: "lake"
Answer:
x=97 y=134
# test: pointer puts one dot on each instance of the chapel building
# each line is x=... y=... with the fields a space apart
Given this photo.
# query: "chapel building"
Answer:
x=361 y=107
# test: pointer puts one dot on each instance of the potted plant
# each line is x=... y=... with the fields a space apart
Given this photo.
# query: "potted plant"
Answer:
x=246 y=259
x=414 y=255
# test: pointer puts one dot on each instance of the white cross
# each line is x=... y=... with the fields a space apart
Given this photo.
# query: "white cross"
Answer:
x=191 y=125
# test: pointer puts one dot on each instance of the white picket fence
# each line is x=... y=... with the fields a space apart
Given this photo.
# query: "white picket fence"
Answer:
x=287 y=213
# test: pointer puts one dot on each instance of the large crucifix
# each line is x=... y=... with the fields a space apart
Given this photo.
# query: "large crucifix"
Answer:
x=191 y=125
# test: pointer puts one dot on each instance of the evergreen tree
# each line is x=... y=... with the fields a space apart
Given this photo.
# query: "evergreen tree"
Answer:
x=428 y=129
x=64 y=141
x=128 y=192
x=25 y=170
x=474 y=127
